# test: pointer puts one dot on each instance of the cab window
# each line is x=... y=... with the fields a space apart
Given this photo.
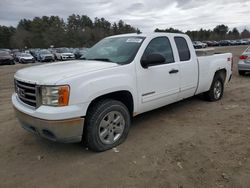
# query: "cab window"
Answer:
x=182 y=48
x=160 y=45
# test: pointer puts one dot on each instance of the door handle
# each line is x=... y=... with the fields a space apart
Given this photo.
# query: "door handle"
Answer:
x=173 y=71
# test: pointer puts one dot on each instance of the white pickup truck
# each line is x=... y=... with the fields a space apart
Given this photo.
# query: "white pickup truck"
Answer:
x=93 y=100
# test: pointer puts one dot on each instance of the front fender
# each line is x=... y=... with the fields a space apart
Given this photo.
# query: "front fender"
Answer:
x=86 y=88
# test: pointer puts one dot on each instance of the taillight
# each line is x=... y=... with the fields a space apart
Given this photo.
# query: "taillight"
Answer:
x=243 y=57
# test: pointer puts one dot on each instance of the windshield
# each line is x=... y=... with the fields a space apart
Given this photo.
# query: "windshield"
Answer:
x=3 y=53
x=25 y=55
x=63 y=50
x=44 y=52
x=121 y=50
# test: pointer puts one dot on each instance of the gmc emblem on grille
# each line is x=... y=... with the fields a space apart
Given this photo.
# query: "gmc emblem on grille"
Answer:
x=21 y=92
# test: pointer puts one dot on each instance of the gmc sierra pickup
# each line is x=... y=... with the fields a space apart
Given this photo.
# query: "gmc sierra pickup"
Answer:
x=93 y=100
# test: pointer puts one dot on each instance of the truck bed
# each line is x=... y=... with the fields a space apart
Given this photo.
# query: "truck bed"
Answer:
x=208 y=64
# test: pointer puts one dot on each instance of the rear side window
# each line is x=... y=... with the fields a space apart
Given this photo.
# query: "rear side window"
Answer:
x=162 y=46
x=183 y=49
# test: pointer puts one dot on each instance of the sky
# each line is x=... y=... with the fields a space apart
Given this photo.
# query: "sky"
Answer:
x=147 y=15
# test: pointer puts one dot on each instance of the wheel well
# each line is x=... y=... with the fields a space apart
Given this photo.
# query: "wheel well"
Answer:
x=222 y=73
x=123 y=96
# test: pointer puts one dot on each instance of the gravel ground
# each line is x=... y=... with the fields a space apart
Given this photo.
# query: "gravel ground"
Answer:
x=188 y=144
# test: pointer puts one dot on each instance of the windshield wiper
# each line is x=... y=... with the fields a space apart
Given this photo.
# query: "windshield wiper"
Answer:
x=102 y=59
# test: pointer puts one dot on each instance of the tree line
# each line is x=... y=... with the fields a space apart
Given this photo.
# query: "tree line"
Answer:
x=220 y=32
x=81 y=31
x=77 y=31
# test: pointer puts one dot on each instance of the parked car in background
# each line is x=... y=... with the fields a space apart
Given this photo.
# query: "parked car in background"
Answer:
x=244 y=63
x=216 y=43
x=198 y=44
x=45 y=56
x=6 y=50
x=53 y=52
x=225 y=43
x=233 y=42
x=32 y=52
x=6 y=58
x=16 y=55
x=64 y=54
x=25 y=58
x=247 y=40
x=209 y=43
x=80 y=52
x=243 y=42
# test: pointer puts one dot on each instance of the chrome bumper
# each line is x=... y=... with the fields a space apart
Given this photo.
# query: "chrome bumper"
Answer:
x=66 y=131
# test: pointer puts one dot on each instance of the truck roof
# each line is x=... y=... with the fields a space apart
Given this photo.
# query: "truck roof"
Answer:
x=152 y=34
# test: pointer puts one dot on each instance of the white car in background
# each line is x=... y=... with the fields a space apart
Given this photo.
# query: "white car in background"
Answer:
x=198 y=44
x=25 y=58
x=64 y=54
x=244 y=63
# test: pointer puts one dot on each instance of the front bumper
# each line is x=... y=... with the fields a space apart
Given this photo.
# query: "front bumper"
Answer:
x=243 y=66
x=6 y=61
x=47 y=58
x=68 y=57
x=27 y=60
x=66 y=131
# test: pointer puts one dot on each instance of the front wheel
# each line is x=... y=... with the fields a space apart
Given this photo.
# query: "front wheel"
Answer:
x=216 y=90
x=107 y=125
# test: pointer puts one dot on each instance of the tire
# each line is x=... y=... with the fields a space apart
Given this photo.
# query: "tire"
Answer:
x=242 y=73
x=101 y=132
x=216 y=90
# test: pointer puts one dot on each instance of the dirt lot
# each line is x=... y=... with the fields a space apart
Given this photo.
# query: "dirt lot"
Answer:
x=189 y=144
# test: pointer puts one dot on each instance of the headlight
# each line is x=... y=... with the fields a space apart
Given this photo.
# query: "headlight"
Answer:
x=55 y=95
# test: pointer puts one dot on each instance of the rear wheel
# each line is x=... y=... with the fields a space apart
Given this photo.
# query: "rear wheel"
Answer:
x=242 y=73
x=107 y=125
x=216 y=90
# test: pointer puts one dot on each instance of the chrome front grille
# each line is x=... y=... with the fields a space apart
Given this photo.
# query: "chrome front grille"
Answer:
x=26 y=92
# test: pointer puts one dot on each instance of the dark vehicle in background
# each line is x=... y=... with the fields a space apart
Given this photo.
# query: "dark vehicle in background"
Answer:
x=225 y=43
x=233 y=42
x=80 y=52
x=6 y=50
x=33 y=52
x=6 y=58
x=15 y=55
x=209 y=43
x=243 y=42
x=45 y=56
x=26 y=58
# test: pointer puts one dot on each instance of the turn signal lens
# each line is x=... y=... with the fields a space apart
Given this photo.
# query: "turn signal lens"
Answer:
x=55 y=95
x=63 y=96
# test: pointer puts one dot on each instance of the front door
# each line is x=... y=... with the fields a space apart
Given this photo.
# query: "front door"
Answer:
x=158 y=85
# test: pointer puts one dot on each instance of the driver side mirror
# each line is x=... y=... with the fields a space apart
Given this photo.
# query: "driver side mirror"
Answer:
x=152 y=59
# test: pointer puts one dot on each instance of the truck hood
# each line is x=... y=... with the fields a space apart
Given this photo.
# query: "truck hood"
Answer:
x=52 y=73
